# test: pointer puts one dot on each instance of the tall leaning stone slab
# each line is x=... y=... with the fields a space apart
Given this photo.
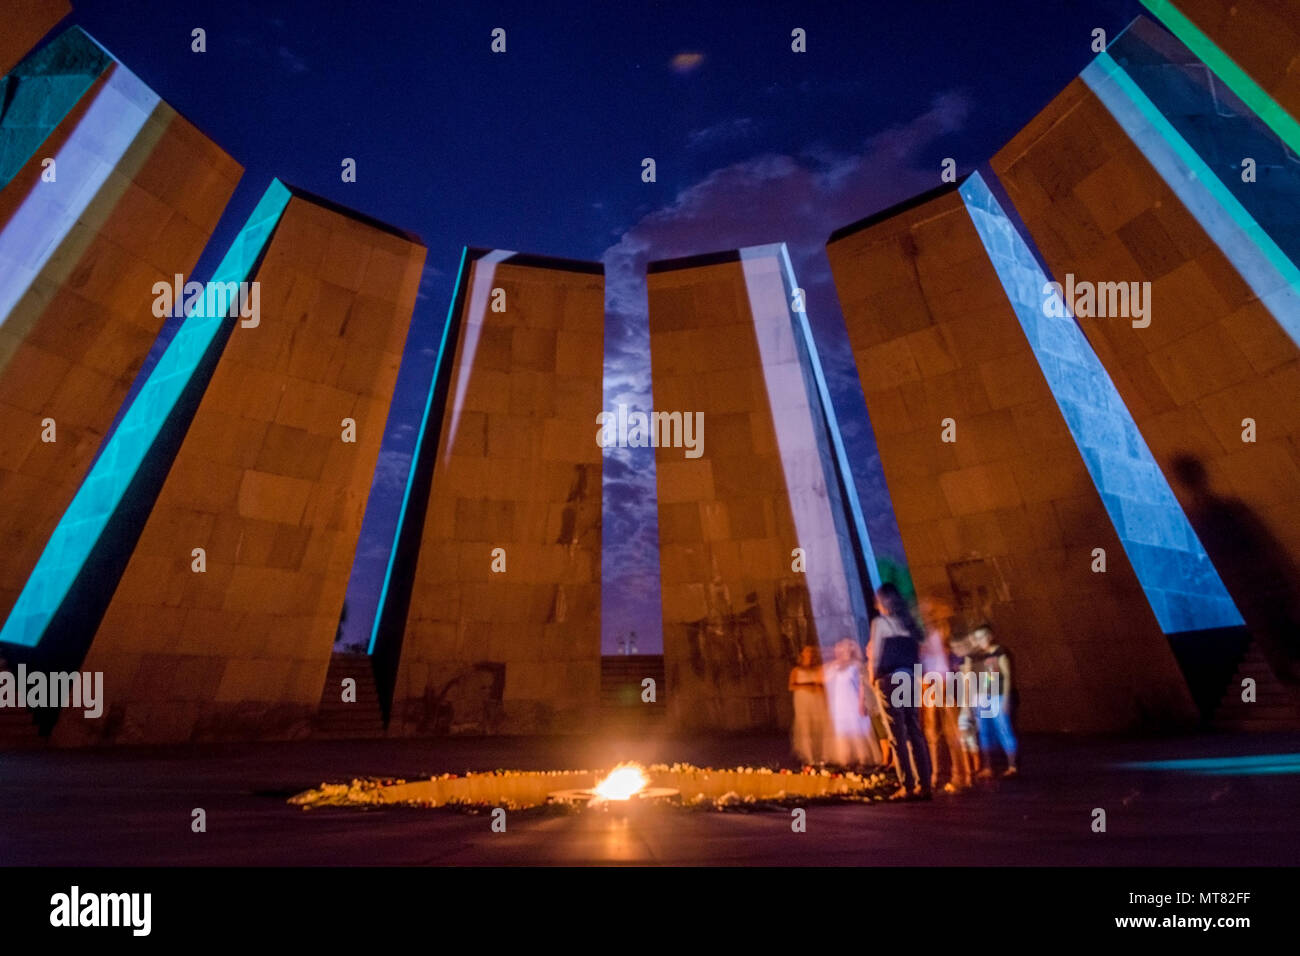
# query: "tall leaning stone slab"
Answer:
x=1125 y=179
x=490 y=620
x=104 y=191
x=202 y=565
x=998 y=513
x=758 y=556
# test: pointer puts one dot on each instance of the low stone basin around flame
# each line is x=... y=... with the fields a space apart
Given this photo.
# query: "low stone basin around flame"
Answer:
x=592 y=797
x=525 y=789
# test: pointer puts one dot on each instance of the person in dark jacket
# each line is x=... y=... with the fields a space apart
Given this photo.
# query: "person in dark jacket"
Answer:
x=893 y=653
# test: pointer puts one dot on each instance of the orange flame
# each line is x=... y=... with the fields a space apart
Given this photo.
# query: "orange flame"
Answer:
x=623 y=783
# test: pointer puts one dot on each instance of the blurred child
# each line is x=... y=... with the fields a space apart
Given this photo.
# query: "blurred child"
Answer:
x=989 y=658
x=939 y=715
x=850 y=738
x=967 y=713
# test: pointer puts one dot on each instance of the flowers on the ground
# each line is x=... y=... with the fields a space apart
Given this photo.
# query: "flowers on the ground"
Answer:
x=848 y=787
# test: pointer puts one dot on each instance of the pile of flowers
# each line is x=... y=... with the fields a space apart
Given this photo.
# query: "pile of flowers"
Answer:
x=856 y=788
x=361 y=792
x=861 y=788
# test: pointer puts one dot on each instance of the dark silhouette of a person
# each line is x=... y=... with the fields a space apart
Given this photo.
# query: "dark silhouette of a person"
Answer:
x=1255 y=568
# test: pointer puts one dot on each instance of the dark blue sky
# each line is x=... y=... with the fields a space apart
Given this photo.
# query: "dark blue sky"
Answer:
x=540 y=150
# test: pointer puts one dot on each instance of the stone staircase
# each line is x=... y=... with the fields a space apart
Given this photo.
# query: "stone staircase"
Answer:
x=338 y=720
x=621 y=709
x=1276 y=706
x=17 y=726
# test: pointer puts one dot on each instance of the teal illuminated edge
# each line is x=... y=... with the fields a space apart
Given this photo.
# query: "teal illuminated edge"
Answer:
x=415 y=454
x=1270 y=273
x=81 y=526
x=1237 y=79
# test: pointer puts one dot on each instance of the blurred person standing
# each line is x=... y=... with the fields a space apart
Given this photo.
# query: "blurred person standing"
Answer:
x=892 y=655
x=968 y=709
x=808 y=690
x=991 y=665
x=940 y=714
x=850 y=739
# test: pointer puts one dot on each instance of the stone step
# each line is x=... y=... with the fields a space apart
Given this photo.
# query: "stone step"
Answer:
x=337 y=718
x=1276 y=706
x=651 y=664
x=633 y=707
x=351 y=668
x=612 y=687
x=340 y=706
x=632 y=662
x=1265 y=683
x=634 y=713
x=621 y=679
x=360 y=712
x=613 y=691
x=358 y=718
x=326 y=728
x=1262 y=699
x=350 y=733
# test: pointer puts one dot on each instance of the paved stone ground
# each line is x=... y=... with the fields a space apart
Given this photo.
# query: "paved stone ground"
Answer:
x=79 y=808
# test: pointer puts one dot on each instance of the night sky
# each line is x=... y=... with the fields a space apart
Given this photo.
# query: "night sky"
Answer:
x=539 y=150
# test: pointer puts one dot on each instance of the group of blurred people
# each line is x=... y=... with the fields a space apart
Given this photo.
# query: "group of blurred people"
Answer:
x=931 y=705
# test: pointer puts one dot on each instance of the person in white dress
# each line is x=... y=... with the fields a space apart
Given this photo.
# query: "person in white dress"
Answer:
x=808 y=736
x=850 y=739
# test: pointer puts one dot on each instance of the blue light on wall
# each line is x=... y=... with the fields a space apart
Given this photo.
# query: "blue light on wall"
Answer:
x=100 y=494
x=814 y=484
x=1181 y=584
